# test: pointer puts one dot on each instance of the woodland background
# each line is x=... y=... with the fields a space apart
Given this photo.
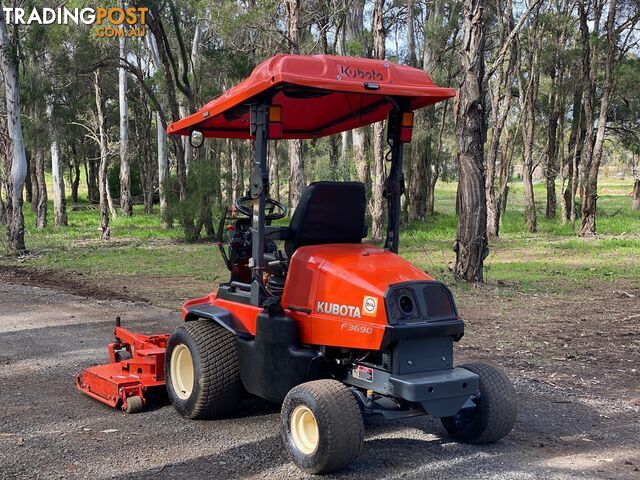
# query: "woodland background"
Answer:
x=548 y=100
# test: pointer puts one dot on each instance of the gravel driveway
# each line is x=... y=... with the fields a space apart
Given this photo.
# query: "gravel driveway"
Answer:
x=49 y=430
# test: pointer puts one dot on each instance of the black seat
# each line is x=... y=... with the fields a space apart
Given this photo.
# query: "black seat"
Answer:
x=328 y=212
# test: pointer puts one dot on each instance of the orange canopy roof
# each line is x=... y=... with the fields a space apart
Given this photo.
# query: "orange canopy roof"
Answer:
x=320 y=95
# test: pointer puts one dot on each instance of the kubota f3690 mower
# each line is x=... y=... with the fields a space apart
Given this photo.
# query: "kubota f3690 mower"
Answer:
x=333 y=328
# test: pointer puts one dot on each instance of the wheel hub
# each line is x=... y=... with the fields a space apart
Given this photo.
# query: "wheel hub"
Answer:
x=182 y=372
x=304 y=429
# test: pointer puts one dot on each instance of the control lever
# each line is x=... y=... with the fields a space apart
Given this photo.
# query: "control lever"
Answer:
x=280 y=260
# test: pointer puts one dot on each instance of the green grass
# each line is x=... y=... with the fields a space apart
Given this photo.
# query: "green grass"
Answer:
x=553 y=259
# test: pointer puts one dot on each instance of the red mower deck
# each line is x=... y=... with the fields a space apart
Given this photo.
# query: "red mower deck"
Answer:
x=136 y=364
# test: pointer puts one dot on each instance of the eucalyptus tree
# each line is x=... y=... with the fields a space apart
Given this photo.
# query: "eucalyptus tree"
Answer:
x=16 y=170
x=471 y=235
x=379 y=32
x=296 y=150
x=125 y=167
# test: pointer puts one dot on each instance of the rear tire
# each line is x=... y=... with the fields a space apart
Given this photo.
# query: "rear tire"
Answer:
x=322 y=426
x=495 y=414
x=201 y=369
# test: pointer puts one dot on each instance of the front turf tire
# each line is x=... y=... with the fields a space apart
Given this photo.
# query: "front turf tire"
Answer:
x=495 y=413
x=322 y=426
x=201 y=370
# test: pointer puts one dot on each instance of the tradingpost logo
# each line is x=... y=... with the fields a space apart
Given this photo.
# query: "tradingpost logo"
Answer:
x=110 y=22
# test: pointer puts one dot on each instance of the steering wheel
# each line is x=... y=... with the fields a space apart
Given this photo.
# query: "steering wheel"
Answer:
x=274 y=209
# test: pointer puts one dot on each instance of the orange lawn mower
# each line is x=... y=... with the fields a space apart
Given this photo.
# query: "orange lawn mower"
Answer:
x=332 y=328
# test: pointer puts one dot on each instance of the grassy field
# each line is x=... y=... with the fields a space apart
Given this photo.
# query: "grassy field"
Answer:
x=155 y=263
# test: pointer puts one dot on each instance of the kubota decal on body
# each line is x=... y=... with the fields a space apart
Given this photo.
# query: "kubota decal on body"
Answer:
x=338 y=309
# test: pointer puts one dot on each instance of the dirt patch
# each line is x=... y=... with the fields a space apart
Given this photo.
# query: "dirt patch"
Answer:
x=586 y=342
x=70 y=282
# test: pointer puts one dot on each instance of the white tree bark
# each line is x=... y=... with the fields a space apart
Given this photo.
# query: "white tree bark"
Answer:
x=296 y=181
x=163 y=158
x=15 y=223
x=186 y=143
x=59 y=196
x=163 y=164
x=104 y=160
x=125 y=166
x=274 y=174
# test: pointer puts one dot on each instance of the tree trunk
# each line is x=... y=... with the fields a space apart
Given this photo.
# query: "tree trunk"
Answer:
x=142 y=132
x=32 y=181
x=163 y=159
x=334 y=157
x=274 y=173
x=471 y=204
x=591 y=185
x=93 y=181
x=157 y=29
x=41 y=185
x=3 y=214
x=163 y=169
x=28 y=190
x=18 y=170
x=503 y=179
x=104 y=161
x=554 y=136
x=296 y=150
x=216 y=156
x=528 y=93
x=589 y=89
x=229 y=173
x=411 y=39
x=574 y=148
x=377 y=199
x=75 y=179
x=417 y=197
x=500 y=106
x=377 y=211
x=635 y=205
x=237 y=171
x=344 y=156
x=125 y=165
x=59 y=197
x=296 y=179
x=360 y=158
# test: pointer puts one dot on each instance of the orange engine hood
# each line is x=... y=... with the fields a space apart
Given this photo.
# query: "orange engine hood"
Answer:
x=345 y=274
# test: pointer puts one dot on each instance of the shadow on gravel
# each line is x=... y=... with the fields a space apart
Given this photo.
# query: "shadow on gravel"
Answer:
x=234 y=462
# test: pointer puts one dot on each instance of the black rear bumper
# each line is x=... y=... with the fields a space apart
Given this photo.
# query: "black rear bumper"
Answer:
x=445 y=328
x=442 y=393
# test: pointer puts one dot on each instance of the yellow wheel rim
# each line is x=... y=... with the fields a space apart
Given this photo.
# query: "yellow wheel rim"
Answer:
x=182 y=372
x=304 y=429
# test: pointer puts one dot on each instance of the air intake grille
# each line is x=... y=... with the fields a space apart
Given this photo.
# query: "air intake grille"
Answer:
x=397 y=313
x=437 y=301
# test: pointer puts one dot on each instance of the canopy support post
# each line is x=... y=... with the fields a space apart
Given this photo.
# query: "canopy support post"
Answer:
x=258 y=190
x=394 y=184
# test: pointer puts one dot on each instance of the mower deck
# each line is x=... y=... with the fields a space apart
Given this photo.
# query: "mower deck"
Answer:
x=136 y=365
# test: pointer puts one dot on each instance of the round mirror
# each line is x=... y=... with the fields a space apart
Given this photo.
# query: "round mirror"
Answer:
x=196 y=138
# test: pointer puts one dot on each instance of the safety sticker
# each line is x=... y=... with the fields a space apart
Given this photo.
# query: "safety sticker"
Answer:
x=363 y=373
x=369 y=306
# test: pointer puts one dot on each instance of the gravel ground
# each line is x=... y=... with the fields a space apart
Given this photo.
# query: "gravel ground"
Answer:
x=49 y=430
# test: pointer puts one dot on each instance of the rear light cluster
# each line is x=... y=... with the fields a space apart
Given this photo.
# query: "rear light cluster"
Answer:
x=420 y=302
x=275 y=121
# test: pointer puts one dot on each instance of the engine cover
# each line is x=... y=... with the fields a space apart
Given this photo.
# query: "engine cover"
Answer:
x=337 y=293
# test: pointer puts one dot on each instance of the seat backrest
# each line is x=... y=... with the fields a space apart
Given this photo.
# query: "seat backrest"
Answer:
x=328 y=212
